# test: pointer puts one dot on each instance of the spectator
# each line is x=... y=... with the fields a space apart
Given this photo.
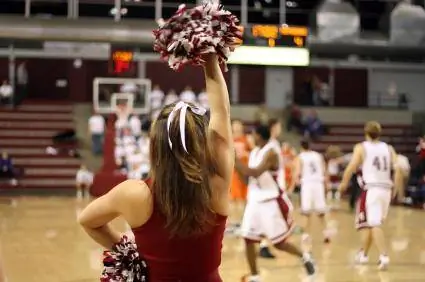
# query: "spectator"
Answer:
x=22 y=83
x=171 y=97
x=313 y=126
x=134 y=162
x=324 y=95
x=7 y=170
x=83 y=182
x=119 y=154
x=6 y=93
x=129 y=87
x=420 y=149
x=203 y=99
x=188 y=95
x=97 y=131
x=135 y=126
x=295 y=119
x=157 y=97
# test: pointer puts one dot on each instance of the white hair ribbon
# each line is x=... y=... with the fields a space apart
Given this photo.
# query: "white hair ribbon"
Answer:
x=182 y=106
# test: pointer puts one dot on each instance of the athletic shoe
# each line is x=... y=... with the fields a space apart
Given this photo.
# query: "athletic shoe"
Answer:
x=384 y=260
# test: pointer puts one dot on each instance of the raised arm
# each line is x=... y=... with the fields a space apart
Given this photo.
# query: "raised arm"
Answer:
x=219 y=127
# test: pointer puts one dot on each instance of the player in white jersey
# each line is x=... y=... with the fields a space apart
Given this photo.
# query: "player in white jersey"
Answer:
x=377 y=161
x=275 y=128
x=311 y=173
x=268 y=211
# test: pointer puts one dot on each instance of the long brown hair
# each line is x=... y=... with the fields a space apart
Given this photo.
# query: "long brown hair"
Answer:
x=181 y=187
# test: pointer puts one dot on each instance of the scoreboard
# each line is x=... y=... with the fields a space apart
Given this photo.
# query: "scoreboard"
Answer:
x=275 y=36
x=272 y=45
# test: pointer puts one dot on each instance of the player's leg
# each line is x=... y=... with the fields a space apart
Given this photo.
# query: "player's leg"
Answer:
x=79 y=188
x=380 y=200
x=279 y=226
x=251 y=232
x=87 y=191
x=320 y=206
x=265 y=250
x=363 y=229
x=306 y=198
x=238 y=196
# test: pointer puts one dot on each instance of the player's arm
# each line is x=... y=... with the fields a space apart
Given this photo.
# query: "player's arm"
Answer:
x=95 y=218
x=296 y=170
x=353 y=165
x=219 y=128
x=270 y=162
x=398 y=173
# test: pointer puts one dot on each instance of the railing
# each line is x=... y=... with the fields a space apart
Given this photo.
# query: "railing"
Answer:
x=380 y=99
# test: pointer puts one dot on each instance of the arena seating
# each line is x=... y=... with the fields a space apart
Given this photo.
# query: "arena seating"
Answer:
x=402 y=137
x=26 y=132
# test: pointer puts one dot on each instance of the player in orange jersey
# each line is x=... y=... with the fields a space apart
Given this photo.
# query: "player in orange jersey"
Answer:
x=288 y=155
x=239 y=189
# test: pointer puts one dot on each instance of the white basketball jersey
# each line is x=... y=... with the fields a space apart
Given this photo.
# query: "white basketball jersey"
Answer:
x=377 y=165
x=265 y=186
x=333 y=167
x=312 y=169
x=280 y=174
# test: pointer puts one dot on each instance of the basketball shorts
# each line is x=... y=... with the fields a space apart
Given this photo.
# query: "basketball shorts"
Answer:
x=335 y=180
x=372 y=207
x=313 y=198
x=271 y=219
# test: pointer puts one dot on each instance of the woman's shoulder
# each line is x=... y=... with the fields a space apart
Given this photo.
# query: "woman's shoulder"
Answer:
x=136 y=202
x=134 y=189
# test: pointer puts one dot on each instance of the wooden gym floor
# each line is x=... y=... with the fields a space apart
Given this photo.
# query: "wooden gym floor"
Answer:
x=41 y=242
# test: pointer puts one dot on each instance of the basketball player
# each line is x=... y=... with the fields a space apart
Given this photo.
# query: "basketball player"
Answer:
x=310 y=172
x=334 y=161
x=179 y=215
x=268 y=211
x=275 y=128
x=83 y=182
x=288 y=155
x=238 y=188
x=377 y=160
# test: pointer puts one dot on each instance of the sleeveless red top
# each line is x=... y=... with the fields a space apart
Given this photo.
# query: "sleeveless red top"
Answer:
x=174 y=259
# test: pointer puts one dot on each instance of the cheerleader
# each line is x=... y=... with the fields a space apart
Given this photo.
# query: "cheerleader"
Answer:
x=178 y=215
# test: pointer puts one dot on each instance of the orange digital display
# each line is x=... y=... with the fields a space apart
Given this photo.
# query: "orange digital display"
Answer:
x=126 y=56
x=276 y=35
x=121 y=61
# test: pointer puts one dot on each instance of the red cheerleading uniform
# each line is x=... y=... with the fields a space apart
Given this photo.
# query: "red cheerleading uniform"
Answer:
x=175 y=259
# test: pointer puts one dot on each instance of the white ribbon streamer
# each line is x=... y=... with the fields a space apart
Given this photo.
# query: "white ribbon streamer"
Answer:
x=182 y=106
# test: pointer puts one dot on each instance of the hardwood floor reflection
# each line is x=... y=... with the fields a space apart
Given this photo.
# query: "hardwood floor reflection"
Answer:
x=42 y=242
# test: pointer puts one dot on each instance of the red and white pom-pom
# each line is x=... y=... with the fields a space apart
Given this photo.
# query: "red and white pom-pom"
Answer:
x=124 y=264
x=191 y=33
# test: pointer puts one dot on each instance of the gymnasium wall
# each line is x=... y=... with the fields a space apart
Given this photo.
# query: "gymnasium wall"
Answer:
x=409 y=82
x=274 y=86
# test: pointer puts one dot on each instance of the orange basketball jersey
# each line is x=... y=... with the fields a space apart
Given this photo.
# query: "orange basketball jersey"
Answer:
x=242 y=149
x=288 y=156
